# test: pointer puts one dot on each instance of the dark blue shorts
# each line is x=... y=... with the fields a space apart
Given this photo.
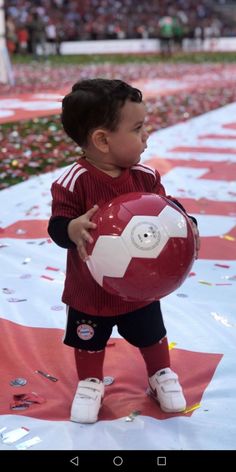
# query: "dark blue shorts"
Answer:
x=141 y=328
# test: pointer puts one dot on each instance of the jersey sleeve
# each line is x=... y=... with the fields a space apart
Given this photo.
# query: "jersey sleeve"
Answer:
x=64 y=202
x=65 y=207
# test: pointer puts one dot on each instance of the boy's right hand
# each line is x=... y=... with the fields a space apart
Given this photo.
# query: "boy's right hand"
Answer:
x=78 y=231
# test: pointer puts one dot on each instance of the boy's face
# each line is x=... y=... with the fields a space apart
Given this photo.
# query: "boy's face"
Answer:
x=129 y=140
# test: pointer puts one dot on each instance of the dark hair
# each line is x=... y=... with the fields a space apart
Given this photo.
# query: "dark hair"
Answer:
x=95 y=103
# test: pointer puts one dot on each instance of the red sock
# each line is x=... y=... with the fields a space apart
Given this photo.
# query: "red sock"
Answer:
x=89 y=363
x=156 y=357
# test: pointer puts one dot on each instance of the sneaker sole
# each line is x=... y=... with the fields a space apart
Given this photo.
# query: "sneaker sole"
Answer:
x=166 y=410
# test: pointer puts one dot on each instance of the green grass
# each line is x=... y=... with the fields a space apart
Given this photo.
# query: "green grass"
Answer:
x=196 y=58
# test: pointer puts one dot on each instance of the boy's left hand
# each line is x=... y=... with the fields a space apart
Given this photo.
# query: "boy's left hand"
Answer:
x=196 y=237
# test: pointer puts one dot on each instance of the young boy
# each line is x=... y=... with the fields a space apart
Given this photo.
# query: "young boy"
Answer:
x=106 y=119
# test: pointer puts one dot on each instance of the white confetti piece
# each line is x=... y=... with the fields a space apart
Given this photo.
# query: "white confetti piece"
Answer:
x=221 y=319
x=26 y=444
x=13 y=436
x=26 y=260
x=8 y=291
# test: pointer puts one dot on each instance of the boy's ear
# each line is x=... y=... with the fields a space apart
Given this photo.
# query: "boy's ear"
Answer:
x=99 y=139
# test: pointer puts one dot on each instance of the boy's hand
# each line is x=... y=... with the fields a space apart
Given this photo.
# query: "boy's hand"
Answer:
x=196 y=237
x=78 y=231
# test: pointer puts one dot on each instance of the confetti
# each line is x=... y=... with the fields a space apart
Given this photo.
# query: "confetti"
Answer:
x=132 y=415
x=108 y=380
x=228 y=237
x=172 y=345
x=52 y=268
x=40 y=145
x=26 y=260
x=229 y=277
x=8 y=291
x=26 y=444
x=15 y=300
x=49 y=241
x=224 y=266
x=223 y=284
x=18 y=382
x=46 y=277
x=221 y=319
x=13 y=436
x=204 y=282
x=57 y=308
x=192 y=408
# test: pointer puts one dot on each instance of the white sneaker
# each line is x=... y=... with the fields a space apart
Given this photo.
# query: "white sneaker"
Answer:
x=165 y=388
x=87 y=401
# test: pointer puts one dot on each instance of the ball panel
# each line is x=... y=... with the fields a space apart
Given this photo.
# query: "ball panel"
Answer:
x=135 y=203
x=110 y=257
x=152 y=279
x=147 y=236
x=110 y=222
x=143 y=237
x=173 y=222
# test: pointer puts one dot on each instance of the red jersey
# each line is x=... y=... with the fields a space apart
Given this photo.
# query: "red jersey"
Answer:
x=74 y=193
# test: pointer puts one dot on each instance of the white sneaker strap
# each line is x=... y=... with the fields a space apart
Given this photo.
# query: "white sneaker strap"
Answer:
x=87 y=392
x=90 y=385
x=164 y=377
x=171 y=387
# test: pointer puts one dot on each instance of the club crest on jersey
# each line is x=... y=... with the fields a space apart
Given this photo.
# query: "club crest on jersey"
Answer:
x=85 y=331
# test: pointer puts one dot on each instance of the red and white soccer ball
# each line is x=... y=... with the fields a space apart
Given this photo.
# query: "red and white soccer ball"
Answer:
x=143 y=247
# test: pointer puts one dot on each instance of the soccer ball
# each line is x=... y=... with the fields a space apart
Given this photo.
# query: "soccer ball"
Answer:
x=143 y=247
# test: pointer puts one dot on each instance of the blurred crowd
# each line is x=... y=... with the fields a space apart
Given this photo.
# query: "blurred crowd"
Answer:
x=37 y=22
